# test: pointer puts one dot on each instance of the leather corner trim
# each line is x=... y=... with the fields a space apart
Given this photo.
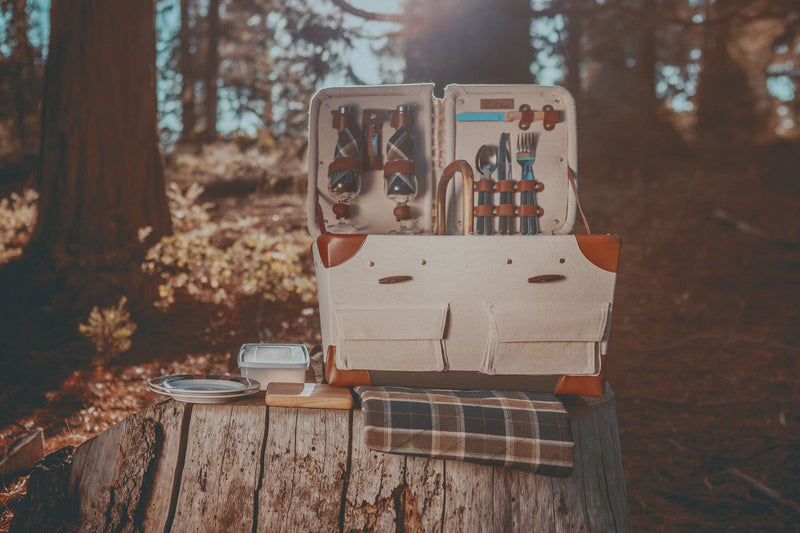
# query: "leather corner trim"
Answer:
x=601 y=250
x=584 y=385
x=343 y=378
x=337 y=249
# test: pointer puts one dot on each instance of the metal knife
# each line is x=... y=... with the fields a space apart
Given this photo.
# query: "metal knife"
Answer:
x=505 y=223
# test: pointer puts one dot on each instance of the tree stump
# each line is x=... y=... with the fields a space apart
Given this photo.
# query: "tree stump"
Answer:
x=245 y=467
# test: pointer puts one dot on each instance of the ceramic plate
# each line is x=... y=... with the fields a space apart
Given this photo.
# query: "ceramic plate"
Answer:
x=204 y=389
x=204 y=398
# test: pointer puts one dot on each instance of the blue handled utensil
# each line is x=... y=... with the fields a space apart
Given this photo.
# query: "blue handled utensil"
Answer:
x=526 y=147
x=505 y=224
x=486 y=163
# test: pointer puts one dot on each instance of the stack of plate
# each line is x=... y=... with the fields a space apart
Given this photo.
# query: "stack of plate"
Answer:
x=204 y=389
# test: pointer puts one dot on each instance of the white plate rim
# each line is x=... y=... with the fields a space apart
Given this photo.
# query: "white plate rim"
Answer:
x=204 y=398
x=161 y=384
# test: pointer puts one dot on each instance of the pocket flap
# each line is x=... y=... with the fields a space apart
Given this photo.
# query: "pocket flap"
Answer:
x=416 y=323
x=548 y=322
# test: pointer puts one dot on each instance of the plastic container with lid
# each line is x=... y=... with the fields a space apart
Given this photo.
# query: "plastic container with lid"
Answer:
x=286 y=363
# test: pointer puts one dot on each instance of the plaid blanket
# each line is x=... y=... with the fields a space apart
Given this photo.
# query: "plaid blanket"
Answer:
x=529 y=431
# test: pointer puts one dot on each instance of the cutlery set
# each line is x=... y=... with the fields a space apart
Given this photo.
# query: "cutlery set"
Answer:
x=356 y=152
x=395 y=146
x=498 y=157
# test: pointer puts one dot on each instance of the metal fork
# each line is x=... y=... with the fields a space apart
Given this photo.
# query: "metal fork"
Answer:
x=526 y=148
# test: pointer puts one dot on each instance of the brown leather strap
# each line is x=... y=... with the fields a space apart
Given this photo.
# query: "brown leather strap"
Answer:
x=526 y=185
x=529 y=211
x=399 y=119
x=483 y=211
x=372 y=122
x=484 y=185
x=349 y=163
x=372 y=162
x=399 y=165
x=526 y=116
x=340 y=122
x=505 y=210
x=505 y=186
x=551 y=116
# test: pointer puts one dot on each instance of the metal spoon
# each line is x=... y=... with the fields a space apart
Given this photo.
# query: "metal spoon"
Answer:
x=486 y=163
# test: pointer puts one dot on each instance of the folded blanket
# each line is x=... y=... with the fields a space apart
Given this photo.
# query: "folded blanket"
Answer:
x=524 y=430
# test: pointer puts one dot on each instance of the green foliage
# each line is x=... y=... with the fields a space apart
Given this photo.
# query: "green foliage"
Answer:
x=219 y=262
x=17 y=220
x=110 y=331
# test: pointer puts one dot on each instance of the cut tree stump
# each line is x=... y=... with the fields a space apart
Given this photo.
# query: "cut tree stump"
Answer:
x=245 y=467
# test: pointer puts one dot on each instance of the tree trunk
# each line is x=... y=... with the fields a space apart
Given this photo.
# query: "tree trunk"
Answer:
x=646 y=57
x=24 y=79
x=468 y=41
x=572 y=56
x=187 y=67
x=24 y=62
x=101 y=177
x=245 y=467
x=727 y=118
x=211 y=72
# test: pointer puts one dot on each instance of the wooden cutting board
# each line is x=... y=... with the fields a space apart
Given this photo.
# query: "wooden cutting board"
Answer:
x=308 y=395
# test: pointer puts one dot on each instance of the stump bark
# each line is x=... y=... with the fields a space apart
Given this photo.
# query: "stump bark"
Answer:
x=246 y=467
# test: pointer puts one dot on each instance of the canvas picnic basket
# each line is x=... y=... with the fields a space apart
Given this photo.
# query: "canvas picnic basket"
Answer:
x=493 y=291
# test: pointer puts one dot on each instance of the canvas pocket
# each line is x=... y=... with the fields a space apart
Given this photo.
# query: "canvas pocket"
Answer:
x=396 y=339
x=544 y=339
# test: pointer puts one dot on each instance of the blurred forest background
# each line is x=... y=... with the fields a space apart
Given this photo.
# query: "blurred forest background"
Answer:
x=152 y=172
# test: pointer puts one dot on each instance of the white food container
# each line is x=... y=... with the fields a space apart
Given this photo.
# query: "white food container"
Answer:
x=285 y=363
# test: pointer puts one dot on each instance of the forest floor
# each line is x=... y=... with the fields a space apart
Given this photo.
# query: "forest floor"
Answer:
x=705 y=345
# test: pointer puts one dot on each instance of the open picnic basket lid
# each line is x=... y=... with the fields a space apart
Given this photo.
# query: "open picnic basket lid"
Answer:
x=440 y=138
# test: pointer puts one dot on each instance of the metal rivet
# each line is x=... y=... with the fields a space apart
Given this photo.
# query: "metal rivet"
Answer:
x=558 y=101
x=555 y=221
x=509 y=261
x=322 y=163
x=460 y=100
x=560 y=159
x=562 y=260
x=423 y=262
x=325 y=221
x=372 y=116
x=372 y=263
